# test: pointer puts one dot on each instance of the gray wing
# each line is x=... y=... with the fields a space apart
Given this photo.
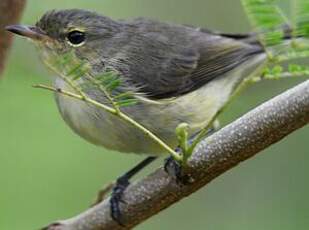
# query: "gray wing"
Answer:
x=171 y=61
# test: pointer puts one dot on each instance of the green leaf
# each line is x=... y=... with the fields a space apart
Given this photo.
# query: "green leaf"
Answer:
x=109 y=80
x=126 y=103
x=273 y=73
x=267 y=19
x=277 y=70
x=113 y=85
x=123 y=96
x=78 y=71
x=302 y=18
x=183 y=140
x=296 y=69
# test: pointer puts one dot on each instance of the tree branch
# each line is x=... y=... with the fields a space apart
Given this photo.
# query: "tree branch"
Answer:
x=255 y=131
x=10 y=11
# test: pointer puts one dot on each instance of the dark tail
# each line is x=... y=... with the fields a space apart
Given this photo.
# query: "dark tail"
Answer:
x=252 y=38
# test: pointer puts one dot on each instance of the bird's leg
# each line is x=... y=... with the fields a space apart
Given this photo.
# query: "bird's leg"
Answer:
x=121 y=184
x=175 y=168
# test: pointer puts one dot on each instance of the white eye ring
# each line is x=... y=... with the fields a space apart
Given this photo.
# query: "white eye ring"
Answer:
x=76 y=38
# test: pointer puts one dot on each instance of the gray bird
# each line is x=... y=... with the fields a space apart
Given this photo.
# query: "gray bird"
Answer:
x=178 y=73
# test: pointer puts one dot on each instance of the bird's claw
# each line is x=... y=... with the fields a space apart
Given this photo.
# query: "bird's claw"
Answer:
x=116 y=199
x=176 y=170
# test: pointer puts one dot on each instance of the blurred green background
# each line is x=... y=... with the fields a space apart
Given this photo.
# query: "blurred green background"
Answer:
x=49 y=173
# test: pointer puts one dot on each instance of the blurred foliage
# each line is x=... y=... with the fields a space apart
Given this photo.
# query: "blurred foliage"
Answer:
x=273 y=26
x=267 y=19
x=49 y=173
x=301 y=17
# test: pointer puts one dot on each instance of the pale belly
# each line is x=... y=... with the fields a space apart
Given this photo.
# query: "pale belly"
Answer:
x=101 y=128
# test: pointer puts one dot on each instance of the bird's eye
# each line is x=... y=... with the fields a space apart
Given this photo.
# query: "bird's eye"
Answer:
x=76 y=38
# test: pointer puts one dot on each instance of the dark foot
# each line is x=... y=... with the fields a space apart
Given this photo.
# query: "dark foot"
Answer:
x=116 y=198
x=121 y=184
x=174 y=169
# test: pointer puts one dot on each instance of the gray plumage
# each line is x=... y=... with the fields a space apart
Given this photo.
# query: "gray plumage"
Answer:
x=180 y=74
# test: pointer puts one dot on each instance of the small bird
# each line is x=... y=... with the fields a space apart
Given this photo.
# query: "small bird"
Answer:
x=179 y=73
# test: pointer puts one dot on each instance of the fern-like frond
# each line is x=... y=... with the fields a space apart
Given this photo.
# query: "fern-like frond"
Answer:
x=109 y=83
x=267 y=19
x=112 y=82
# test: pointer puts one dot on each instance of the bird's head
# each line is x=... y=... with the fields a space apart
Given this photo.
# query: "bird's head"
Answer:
x=58 y=32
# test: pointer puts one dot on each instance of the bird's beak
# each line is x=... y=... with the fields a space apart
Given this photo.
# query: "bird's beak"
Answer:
x=31 y=32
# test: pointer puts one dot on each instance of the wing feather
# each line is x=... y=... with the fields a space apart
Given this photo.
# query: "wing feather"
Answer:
x=167 y=61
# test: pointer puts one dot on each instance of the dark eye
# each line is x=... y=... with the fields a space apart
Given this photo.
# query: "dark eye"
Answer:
x=76 y=37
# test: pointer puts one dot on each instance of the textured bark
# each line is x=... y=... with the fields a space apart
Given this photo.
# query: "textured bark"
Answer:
x=247 y=136
x=10 y=12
